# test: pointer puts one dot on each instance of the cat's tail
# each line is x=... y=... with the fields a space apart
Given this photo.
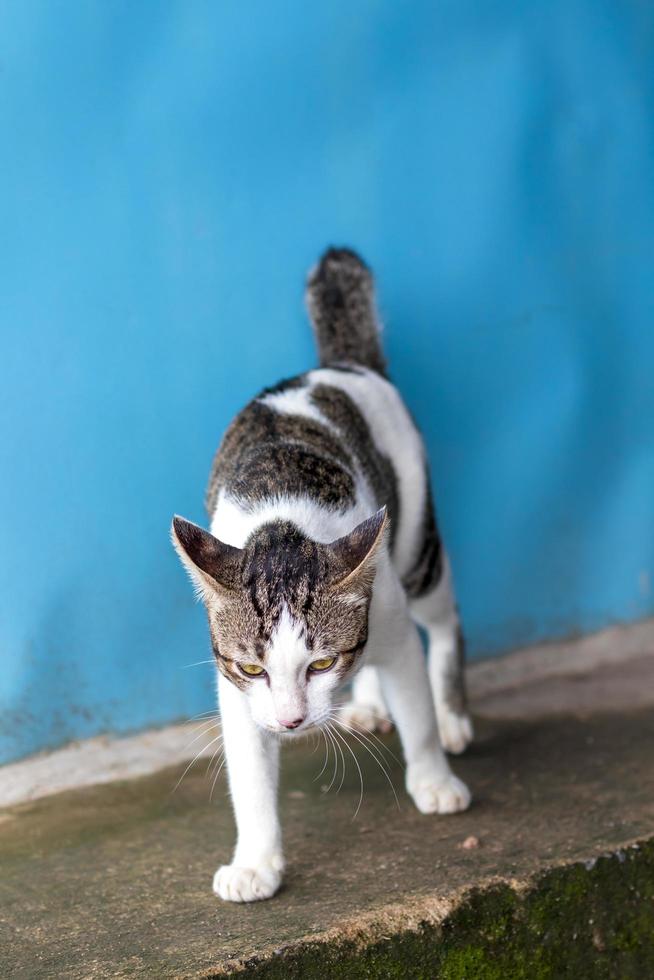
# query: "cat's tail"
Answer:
x=341 y=303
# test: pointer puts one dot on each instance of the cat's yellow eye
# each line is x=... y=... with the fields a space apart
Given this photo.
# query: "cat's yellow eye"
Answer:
x=323 y=664
x=252 y=670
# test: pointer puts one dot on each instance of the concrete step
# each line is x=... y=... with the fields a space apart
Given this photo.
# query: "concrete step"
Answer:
x=115 y=880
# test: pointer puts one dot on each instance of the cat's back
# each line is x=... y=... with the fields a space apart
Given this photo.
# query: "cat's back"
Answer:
x=338 y=438
x=280 y=445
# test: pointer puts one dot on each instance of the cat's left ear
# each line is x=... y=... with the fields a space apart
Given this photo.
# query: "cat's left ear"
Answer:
x=212 y=565
x=356 y=554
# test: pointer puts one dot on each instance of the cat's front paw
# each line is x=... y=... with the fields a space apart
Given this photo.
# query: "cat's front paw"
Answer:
x=449 y=795
x=455 y=730
x=365 y=718
x=235 y=883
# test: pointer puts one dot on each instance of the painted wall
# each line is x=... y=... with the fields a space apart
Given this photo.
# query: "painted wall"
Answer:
x=170 y=170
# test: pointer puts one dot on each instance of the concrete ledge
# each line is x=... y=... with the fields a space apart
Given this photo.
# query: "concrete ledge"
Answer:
x=114 y=880
x=567 y=658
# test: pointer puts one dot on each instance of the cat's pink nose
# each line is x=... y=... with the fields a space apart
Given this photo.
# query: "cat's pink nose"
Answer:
x=290 y=724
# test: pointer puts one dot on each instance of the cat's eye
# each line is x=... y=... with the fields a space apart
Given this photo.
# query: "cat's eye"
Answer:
x=323 y=664
x=252 y=670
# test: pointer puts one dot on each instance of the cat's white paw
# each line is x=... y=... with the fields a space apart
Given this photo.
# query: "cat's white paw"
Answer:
x=449 y=795
x=455 y=730
x=365 y=717
x=234 y=883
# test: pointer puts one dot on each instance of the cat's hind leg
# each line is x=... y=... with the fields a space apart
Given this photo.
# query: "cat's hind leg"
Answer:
x=436 y=611
x=403 y=675
x=367 y=709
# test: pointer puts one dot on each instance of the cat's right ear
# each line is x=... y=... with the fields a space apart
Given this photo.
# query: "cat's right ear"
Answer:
x=212 y=565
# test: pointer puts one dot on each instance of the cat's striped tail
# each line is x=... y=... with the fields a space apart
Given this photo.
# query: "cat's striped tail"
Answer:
x=341 y=304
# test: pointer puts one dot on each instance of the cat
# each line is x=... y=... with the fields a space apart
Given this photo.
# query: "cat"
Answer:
x=323 y=555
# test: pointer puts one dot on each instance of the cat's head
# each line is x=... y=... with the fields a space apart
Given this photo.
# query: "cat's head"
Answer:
x=288 y=616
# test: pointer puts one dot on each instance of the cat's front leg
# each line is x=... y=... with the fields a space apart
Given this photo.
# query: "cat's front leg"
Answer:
x=253 y=766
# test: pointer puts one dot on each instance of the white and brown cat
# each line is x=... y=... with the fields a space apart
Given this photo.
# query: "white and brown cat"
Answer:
x=323 y=555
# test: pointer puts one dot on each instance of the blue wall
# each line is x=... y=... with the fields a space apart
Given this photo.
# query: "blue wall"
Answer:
x=170 y=170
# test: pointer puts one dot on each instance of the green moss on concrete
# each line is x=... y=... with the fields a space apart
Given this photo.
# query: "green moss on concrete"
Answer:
x=579 y=922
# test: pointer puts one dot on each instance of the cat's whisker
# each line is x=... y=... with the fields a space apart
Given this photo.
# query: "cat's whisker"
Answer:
x=340 y=785
x=207 y=723
x=370 y=732
x=193 y=761
x=383 y=746
x=199 y=722
x=337 y=705
x=216 y=775
x=218 y=752
x=203 y=734
x=198 y=663
x=367 y=736
x=324 y=765
x=370 y=749
x=335 y=772
x=342 y=741
x=332 y=718
x=203 y=714
x=356 y=762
